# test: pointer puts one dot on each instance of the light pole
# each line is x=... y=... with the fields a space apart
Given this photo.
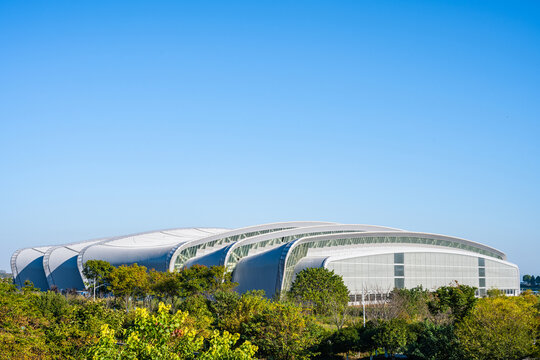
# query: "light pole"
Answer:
x=363 y=304
x=96 y=288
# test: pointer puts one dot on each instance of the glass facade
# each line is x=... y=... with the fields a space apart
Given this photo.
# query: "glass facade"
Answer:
x=501 y=276
x=399 y=270
x=481 y=272
x=399 y=283
x=249 y=249
x=196 y=250
x=376 y=274
x=301 y=250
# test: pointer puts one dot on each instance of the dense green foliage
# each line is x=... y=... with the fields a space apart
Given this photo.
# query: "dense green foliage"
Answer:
x=167 y=336
x=195 y=314
x=531 y=282
x=449 y=324
x=531 y=279
x=97 y=273
x=459 y=300
x=196 y=280
x=47 y=325
x=129 y=281
x=320 y=289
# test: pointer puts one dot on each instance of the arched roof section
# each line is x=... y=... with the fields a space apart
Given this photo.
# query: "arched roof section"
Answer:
x=213 y=258
x=27 y=264
x=149 y=249
x=265 y=242
x=184 y=254
x=258 y=272
x=60 y=265
x=332 y=245
x=378 y=250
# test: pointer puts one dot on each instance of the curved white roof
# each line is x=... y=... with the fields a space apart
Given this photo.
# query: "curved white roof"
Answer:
x=214 y=243
x=480 y=248
x=258 y=254
x=27 y=264
x=316 y=250
x=149 y=249
x=301 y=232
x=60 y=265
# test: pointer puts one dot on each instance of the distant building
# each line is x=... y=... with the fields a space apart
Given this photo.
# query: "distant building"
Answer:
x=372 y=259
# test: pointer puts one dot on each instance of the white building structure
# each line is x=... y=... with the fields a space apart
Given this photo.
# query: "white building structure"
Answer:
x=372 y=260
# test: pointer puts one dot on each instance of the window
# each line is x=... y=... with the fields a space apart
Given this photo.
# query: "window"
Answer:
x=482 y=283
x=399 y=283
x=481 y=262
x=399 y=258
x=399 y=270
x=481 y=272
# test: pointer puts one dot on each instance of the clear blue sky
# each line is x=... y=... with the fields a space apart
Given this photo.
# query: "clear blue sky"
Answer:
x=126 y=116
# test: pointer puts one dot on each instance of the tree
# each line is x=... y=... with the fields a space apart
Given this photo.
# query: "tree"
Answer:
x=345 y=340
x=393 y=336
x=164 y=284
x=195 y=280
x=197 y=307
x=527 y=279
x=51 y=305
x=434 y=342
x=281 y=331
x=367 y=335
x=410 y=304
x=128 y=281
x=97 y=272
x=206 y=281
x=166 y=336
x=221 y=347
x=459 y=299
x=499 y=328
x=22 y=334
x=47 y=325
x=495 y=292
x=322 y=290
x=231 y=310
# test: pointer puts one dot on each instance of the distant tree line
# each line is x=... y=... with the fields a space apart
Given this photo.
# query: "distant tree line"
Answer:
x=4 y=274
x=531 y=280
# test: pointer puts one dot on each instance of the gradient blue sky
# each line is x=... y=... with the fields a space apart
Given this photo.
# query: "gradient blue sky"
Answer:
x=126 y=116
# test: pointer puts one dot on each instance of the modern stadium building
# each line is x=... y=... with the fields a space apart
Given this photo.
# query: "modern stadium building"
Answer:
x=373 y=260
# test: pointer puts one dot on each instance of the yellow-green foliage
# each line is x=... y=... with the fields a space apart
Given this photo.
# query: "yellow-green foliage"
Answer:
x=128 y=281
x=282 y=332
x=166 y=336
x=22 y=333
x=499 y=328
x=46 y=325
x=221 y=348
x=216 y=323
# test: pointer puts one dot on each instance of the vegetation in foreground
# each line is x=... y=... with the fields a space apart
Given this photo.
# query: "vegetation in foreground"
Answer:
x=195 y=314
